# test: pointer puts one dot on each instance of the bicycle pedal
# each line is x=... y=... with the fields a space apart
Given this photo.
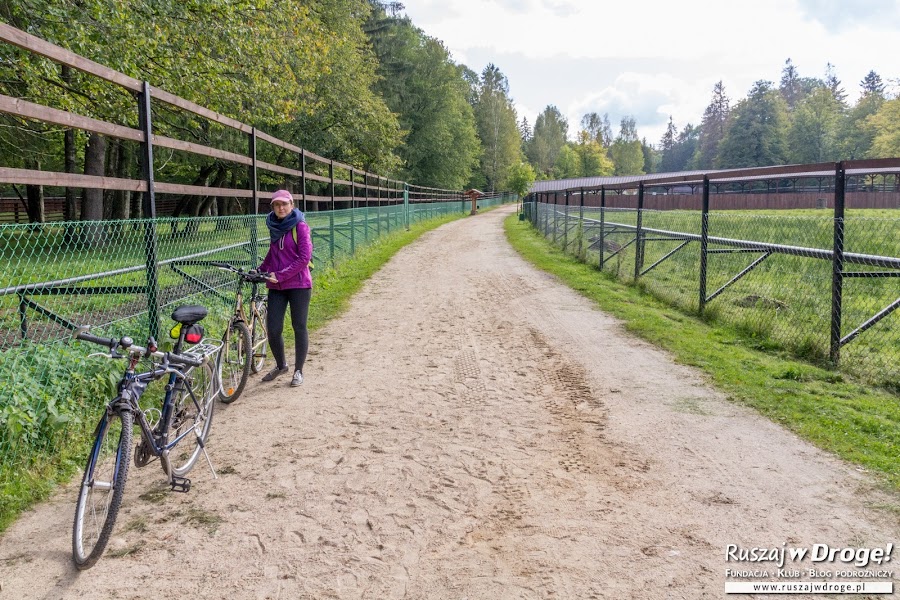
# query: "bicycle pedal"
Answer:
x=181 y=484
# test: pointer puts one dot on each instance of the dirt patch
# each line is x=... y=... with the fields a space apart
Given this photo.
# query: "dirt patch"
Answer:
x=469 y=429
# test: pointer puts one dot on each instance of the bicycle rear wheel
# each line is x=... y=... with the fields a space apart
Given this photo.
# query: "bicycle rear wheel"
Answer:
x=102 y=487
x=191 y=418
x=259 y=338
x=233 y=362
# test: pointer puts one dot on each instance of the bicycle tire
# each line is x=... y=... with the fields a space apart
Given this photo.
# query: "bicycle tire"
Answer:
x=233 y=362
x=95 y=517
x=259 y=338
x=186 y=416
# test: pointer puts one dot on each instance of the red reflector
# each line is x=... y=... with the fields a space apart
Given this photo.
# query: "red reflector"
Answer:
x=193 y=338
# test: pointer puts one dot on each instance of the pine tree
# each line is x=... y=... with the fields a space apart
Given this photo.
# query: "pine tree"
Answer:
x=712 y=128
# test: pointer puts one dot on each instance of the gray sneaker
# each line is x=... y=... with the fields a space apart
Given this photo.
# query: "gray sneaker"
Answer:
x=297 y=380
x=274 y=373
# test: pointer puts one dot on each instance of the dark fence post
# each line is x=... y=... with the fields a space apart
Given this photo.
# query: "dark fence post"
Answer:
x=303 y=177
x=146 y=124
x=837 y=265
x=352 y=212
x=555 y=216
x=331 y=213
x=254 y=209
x=366 y=213
x=704 y=243
x=580 y=222
x=638 y=243
x=566 y=225
x=602 y=225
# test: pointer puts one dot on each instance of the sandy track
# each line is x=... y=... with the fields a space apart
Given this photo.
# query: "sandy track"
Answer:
x=469 y=429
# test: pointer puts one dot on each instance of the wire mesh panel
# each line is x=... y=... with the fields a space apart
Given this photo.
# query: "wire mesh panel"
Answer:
x=108 y=274
x=773 y=274
x=782 y=296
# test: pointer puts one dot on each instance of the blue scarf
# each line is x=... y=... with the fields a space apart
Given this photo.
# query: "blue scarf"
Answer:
x=278 y=228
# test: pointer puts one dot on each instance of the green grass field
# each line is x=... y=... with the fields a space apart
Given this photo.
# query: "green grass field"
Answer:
x=786 y=301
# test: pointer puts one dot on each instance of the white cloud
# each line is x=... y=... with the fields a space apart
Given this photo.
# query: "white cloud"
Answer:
x=651 y=59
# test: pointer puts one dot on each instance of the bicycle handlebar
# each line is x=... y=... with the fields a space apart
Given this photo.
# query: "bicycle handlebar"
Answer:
x=133 y=349
x=250 y=277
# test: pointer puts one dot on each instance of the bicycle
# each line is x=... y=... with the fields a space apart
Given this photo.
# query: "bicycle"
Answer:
x=245 y=342
x=182 y=423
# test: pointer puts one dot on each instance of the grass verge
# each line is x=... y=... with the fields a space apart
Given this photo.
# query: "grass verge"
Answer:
x=858 y=423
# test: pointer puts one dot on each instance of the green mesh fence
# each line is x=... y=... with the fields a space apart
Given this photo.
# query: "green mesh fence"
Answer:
x=59 y=275
x=768 y=273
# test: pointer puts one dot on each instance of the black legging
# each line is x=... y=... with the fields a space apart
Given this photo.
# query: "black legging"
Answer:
x=299 y=301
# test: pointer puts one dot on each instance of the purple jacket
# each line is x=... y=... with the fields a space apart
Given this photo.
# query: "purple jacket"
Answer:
x=289 y=261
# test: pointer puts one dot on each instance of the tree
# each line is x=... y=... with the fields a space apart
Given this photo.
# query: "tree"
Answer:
x=679 y=158
x=525 y=130
x=790 y=84
x=627 y=151
x=597 y=128
x=872 y=84
x=884 y=127
x=667 y=147
x=855 y=137
x=834 y=84
x=712 y=128
x=428 y=93
x=568 y=163
x=521 y=177
x=756 y=131
x=550 y=132
x=593 y=159
x=497 y=128
x=812 y=136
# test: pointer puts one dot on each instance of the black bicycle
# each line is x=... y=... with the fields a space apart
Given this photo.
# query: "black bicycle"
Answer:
x=245 y=341
x=175 y=433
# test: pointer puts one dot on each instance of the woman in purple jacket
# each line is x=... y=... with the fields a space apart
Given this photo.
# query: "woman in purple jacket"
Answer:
x=289 y=283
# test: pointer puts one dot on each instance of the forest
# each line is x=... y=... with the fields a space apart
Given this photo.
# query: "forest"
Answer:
x=356 y=81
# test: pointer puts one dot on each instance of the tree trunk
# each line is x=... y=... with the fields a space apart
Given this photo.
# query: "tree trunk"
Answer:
x=92 y=200
x=120 y=207
x=70 y=209
x=94 y=164
x=34 y=197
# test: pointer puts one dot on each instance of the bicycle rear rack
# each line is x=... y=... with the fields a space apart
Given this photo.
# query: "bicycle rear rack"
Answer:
x=204 y=348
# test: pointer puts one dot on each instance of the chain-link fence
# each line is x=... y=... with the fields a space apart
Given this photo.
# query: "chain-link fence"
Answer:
x=773 y=274
x=61 y=275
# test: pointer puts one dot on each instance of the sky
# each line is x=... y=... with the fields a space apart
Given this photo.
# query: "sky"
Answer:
x=652 y=59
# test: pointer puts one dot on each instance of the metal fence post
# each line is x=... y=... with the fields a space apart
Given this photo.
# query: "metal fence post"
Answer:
x=366 y=213
x=331 y=213
x=580 y=222
x=303 y=177
x=566 y=225
x=406 y=203
x=254 y=210
x=837 y=265
x=602 y=226
x=352 y=212
x=704 y=243
x=638 y=245
x=555 y=216
x=146 y=124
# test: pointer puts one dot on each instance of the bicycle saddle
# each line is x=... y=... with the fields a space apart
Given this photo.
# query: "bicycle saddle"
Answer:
x=189 y=314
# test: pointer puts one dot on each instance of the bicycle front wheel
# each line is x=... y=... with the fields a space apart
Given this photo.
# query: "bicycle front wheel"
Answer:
x=233 y=362
x=260 y=338
x=102 y=487
x=191 y=419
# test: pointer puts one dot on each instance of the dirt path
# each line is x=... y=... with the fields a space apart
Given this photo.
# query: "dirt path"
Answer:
x=469 y=429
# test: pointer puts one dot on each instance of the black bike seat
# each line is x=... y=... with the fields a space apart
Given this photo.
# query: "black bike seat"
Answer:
x=189 y=314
